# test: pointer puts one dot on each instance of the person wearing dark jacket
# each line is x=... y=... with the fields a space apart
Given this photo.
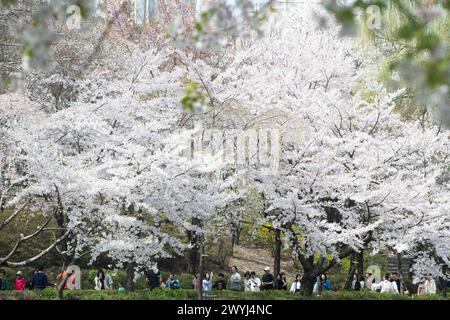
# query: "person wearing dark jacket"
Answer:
x=356 y=283
x=220 y=284
x=39 y=280
x=4 y=282
x=153 y=279
x=281 y=282
x=267 y=280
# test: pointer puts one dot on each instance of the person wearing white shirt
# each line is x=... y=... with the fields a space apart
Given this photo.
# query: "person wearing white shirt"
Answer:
x=235 y=280
x=386 y=286
x=255 y=282
x=296 y=285
x=207 y=282
x=247 y=282
x=430 y=286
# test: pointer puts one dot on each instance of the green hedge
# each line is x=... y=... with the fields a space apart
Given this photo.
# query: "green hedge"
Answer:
x=189 y=294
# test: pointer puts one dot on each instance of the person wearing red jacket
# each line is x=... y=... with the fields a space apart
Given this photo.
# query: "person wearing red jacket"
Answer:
x=21 y=282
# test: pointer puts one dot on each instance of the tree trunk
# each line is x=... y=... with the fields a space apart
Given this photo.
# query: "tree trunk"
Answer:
x=130 y=276
x=193 y=254
x=193 y=257
x=201 y=272
x=442 y=282
x=61 y=222
x=233 y=241
x=277 y=255
x=307 y=284
x=400 y=272
x=351 y=272
x=399 y=264
x=360 y=259
x=356 y=266
x=60 y=288
x=442 y=286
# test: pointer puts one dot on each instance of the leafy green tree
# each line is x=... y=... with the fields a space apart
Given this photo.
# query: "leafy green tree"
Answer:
x=424 y=61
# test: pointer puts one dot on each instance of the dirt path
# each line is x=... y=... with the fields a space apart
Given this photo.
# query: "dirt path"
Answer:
x=249 y=259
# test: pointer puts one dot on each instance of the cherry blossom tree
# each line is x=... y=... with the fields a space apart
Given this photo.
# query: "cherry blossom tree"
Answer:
x=114 y=161
x=356 y=177
x=17 y=110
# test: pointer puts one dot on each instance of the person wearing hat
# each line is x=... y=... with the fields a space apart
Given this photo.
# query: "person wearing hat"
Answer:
x=267 y=279
x=21 y=282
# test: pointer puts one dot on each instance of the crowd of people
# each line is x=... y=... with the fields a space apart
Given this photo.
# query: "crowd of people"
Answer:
x=250 y=282
x=37 y=281
x=392 y=283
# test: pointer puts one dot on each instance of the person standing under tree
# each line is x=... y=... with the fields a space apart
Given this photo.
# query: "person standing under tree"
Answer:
x=21 y=282
x=4 y=283
x=220 y=284
x=398 y=281
x=172 y=283
x=29 y=283
x=296 y=285
x=195 y=280
x=69 y=282
x=207 y=282
x=99 y=280
x=386 y=286
x=430 y=285
x=368 y=281
x=235 y=280
x=39 y=280
x=356 y=284
x=254 y=282
x=108 y=279
x=324 y=283
x=247 y=283
x=153 y=278
x=267 y=279
x=281 y=283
